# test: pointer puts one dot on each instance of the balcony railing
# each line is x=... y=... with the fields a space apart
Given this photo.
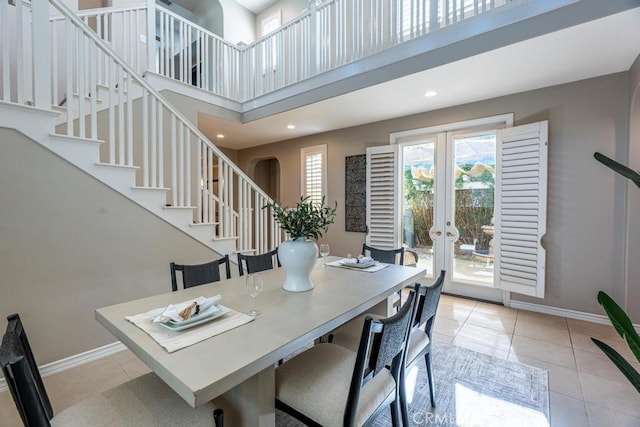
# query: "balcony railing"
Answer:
x=328 y=35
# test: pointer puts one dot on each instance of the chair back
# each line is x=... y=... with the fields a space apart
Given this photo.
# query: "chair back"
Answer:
x=23 y=377
x=257 y=263
x=194 y=275
x=412 y=258
x=382 y=344
x=427 y=304
x=388 y=256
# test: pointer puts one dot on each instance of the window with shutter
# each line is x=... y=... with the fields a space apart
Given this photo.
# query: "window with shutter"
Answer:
x=314 y=176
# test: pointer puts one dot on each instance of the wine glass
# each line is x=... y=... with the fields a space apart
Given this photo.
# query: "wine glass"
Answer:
x=324 y=251
x=254 y=287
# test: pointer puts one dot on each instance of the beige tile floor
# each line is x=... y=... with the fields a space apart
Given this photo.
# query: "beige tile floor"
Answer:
x=585 y=388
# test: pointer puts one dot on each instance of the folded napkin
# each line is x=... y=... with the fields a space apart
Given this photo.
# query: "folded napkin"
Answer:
x=370 y=267
x=186 y=310
x=363 y=260
x=175 y=340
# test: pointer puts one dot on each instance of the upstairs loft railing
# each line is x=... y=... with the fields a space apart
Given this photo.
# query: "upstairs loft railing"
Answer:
x=334 y=33
x=328 y=35
x=67 y=65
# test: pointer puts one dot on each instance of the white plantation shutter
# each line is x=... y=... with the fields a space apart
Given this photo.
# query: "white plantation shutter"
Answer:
x=314 y=166
x=521 y=209
x=382 y=197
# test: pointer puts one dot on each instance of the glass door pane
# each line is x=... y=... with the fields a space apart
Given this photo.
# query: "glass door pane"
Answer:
x=418 y=191
x=472 y=201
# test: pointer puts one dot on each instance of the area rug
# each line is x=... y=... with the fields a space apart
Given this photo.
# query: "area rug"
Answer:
x=472 y=389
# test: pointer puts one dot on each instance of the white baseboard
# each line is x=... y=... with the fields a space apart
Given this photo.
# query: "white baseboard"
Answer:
x=74 y=361
x=564 y=312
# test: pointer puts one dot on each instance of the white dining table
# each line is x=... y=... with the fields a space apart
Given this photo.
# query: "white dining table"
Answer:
x=236 y=369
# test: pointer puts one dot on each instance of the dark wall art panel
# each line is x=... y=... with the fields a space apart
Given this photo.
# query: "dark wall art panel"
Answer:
x=356 y=193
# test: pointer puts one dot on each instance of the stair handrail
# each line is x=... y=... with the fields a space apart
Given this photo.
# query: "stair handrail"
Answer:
x=69 y=14
x=102 y=10
x=234 y=208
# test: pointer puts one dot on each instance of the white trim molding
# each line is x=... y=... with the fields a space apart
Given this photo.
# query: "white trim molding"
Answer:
x=499 y=121
x=564 y=312
x=74 y=361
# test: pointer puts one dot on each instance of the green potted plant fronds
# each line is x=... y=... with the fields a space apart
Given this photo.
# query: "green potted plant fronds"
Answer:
x=306 y=220
x=624 y=327
x=618 y=317
x=619 y=167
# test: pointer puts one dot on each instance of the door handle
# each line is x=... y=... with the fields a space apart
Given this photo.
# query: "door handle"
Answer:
x=449 y=234
x=438 y=233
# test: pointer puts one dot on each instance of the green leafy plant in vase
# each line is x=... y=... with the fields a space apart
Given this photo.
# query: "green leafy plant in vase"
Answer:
x=619 y=319
x=306 y=220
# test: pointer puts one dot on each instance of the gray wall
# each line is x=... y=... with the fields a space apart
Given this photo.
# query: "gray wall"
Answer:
x=69 y=244
x=239 y=23
x=633 y=212
x=586 y=215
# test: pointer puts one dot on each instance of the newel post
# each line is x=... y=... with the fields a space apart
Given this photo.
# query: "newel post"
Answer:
x=41 y=41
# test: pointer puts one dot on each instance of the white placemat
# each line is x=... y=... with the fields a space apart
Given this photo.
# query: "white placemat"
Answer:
x=175 y=340
x=377 y=267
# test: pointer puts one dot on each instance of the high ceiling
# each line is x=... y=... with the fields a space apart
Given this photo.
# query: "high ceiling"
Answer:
x=592 y=49
x=256 y=6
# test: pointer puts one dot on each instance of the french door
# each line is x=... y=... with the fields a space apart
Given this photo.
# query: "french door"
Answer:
x=448 y=195
x=469 y=201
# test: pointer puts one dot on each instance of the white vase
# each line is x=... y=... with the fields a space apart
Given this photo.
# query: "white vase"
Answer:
x=298 y=257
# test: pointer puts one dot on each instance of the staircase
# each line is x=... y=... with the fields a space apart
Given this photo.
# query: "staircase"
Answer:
x=69 y=91
x=73 y=82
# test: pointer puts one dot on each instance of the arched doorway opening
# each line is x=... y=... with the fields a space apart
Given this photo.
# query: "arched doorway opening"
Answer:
x=266 y=173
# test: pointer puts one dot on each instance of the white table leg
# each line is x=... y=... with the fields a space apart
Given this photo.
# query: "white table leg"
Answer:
x=252 y=403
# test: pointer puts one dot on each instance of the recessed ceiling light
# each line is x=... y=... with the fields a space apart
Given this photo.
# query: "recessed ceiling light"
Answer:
x=291 y=126
x=220 y=136
x=430 y=93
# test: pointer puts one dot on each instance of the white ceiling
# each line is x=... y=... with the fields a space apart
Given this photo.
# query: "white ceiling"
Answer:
x=256 y=6
x=600 y=47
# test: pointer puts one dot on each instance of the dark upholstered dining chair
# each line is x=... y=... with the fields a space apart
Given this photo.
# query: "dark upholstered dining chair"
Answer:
x=388 y=256
x=194 y=275
x=421 y=335
x=420 y=338
x=330 y=385
x=145 y=400
x=410 y=258
x=257 y=263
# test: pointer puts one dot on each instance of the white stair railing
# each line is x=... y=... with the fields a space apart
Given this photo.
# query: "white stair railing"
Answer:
x=15 y=53
x=113 y=103
x=119 y=27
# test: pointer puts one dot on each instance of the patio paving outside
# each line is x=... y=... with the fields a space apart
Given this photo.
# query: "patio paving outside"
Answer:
x=467 y=267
